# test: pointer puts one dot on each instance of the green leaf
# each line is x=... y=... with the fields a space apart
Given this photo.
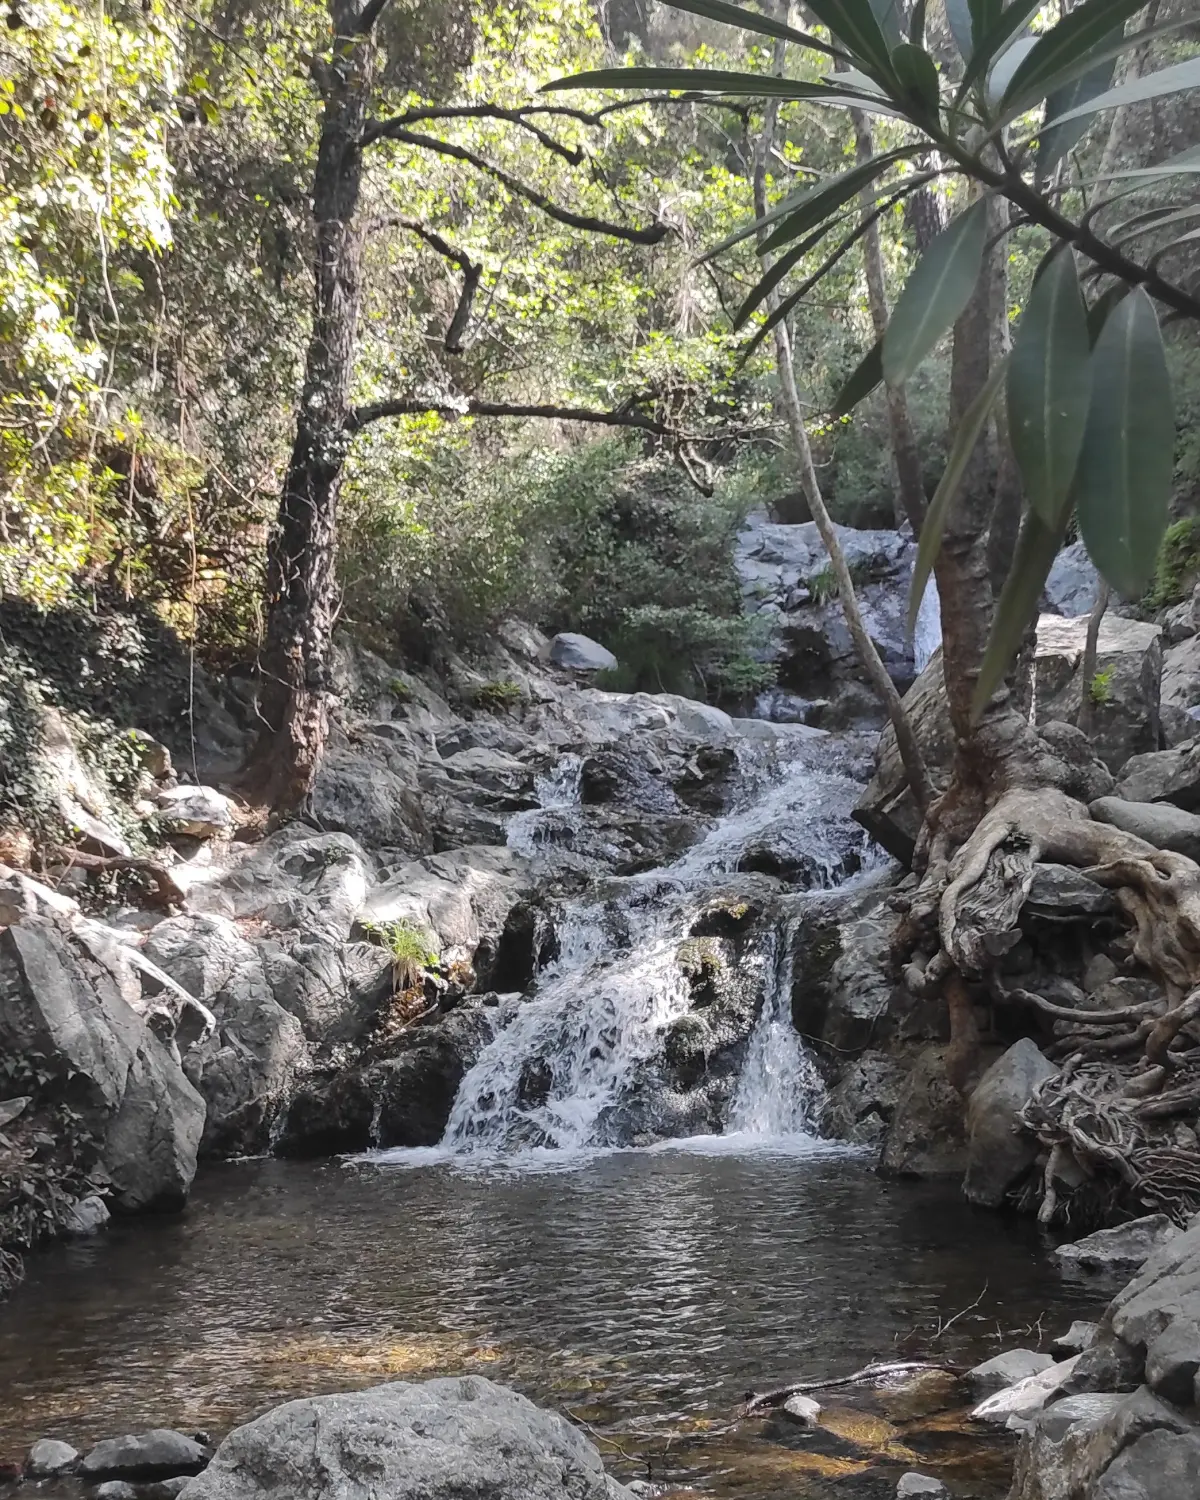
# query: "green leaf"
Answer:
x=1049 y=383
x=1174 y=80
x=1004 y=67
x=990 y=45
x=1123 y=487
x=696 y=80
x=1152 y=220
x=1119 y=42
x=970 y=429
x=1055 y=142
x=1037 y=547
x=936 y=293
x=780 y=269
x=854 y=25
x=824 y=198
x=917 y=76
x=801 y=201
x=1080 y=33
x=888 y=14
x=749 y=20
x=1099 y=311
x=916 y=29
x=1182 y=163
x=868 y=374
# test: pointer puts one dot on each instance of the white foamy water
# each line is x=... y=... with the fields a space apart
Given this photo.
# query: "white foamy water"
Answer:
x=927 y=628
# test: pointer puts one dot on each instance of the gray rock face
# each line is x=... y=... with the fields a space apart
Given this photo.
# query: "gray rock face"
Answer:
x=580 y=653
x=802 y=1409
x=444 y=1440
x=49 y=1457
x=1080 y=1336
x=1125 y=689
x=1025 y=1398
x=1159 y=1466
x=1159 y=823
x=1164 y=776
x=1124 y=1247
x=925 y=1137
x=1061 y=893
x=157 y=1454
x=1073 y=582
x=144 y=1114
x=201 y=811
x=1180 y=691
x=999 y=1151
x=912 y=1485
x=88 y=1216
x=1006 y=1369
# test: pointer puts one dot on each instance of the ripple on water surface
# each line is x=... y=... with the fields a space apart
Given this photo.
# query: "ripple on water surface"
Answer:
x=644 y=1293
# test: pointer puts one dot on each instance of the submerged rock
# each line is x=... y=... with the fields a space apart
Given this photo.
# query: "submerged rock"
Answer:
x=157 y=1454
x=444 y=1438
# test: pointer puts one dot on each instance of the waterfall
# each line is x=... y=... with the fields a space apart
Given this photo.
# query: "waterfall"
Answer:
x=564 y=1068
x=927 y=629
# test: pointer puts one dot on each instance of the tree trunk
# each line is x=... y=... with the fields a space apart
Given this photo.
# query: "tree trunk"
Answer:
x=911 y=484
x=885 y=688
x=1087 y=669
x=294 y=665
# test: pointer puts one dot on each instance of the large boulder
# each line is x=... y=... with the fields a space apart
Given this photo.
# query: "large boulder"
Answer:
x=460 y=1439
x=999 y=1152
x=1073 y=583
x=1159 y=823
x=1124 y=690
x=1125 y=1247
x=367 y=789
x=124 y=1082
x=1180 y=692
x=580 y=653
x=1164 y=776
x=925 y=1136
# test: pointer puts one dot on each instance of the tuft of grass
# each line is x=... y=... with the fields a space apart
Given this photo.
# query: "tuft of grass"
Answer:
x=1100 y=687
x=408 y=947
x=497 y=696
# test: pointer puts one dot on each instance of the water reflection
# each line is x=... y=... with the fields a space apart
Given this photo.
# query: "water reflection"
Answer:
x=646 y=1293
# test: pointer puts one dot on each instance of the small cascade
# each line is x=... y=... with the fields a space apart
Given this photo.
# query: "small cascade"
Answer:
x=557 y=791
x=564 y=1071
x=780 y=1093
x=927 y=629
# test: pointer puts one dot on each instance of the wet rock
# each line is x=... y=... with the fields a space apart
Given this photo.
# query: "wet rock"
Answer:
x=1000 y=1151
x=1164 y=776
x=1159 y=1466
x=88 y=1216
x=414 y=1091
x=368 y=791
x=912 y=1485
x=1180 y=691
x=409 y=1442
x=1003 y=1370
x=200 y=811
x=1159 y=823
x=926 y=1136
x=1123 y=1248
x=1073 y=582
x=49 y=1457
x=845 y=979
x=1026 y=1397
x=1125 y=689
x=1173 y=1361
x=126 y=1084
x=803 y=1409
x=580 y=653
x=864 y=1097
x=1049 y=1464
x=157 y=1454
x=1080 y=1336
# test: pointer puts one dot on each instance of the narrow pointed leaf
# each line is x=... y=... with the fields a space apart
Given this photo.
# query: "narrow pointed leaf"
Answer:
x=917 y=76
x=1119 y=42
x=970 y=429
x=1180 y=239
x=1173 y=80
x=1049 y=383
x=703 y=81
x=825 y=198
x=935 y=294
x=868 y=374
x=1005 y=66
x=797 y=202
x=1054 y=142
x=1037 y=547
x=1007 y=26
x=887 y=13
x=749 y=20
x=1100 y=310
x=1075 y=37
x=916 y=29
x=1151 y=221
x=1181 y=164
x=853 y=23
x=1123 y=486
x=771 y=279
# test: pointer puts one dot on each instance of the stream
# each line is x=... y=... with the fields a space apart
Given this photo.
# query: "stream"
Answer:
x=642 y=1291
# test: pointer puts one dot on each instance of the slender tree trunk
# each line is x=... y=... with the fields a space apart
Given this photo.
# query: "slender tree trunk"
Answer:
x=911 y=484
x=301 y=558
x=885 y=688
x=1087 y=668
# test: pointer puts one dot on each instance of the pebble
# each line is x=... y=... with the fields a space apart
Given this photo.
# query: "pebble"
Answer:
x=48 y=1457
x=803 y=1409
x=914 y=1484
x=115 y=1489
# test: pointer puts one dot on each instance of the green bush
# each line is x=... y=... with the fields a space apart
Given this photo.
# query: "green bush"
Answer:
x=1178 y=564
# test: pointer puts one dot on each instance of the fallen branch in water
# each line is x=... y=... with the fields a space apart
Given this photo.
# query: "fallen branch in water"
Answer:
x=768 y=1400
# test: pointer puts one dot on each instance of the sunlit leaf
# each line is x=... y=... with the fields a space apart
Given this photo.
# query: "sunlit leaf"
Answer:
x=1123 y=486
x=771 y=279
x=1037 y=547
x=868 y=374
x=936 y=293
x=825 y=198
x=966 y=436
x=1049 y=383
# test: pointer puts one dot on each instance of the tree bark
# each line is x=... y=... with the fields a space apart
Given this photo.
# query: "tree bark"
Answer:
x=301 y=590
x=1087 y=670
x=910 y=481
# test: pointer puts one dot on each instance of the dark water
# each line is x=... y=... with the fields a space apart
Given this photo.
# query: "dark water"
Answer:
x=643 y=1293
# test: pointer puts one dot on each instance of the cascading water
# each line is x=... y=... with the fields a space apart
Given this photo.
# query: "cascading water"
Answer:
x=566 y=1061
x=927 y=628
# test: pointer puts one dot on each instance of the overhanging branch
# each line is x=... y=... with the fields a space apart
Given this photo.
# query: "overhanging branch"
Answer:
x=384 y=129
x=651 y=235
x=472 y=272
x=623 y=416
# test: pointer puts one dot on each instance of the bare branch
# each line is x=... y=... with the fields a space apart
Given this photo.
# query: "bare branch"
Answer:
x=371 y=13
x=651 y=235
x=385 y=129
x=469 y=406
x=472 y=272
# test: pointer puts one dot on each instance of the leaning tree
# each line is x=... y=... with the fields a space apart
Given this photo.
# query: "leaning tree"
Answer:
x=1084 y=402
